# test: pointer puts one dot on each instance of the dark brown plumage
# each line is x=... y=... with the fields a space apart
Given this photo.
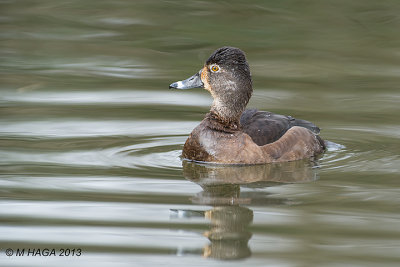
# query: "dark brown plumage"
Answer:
x=266 y=127
x=230 y=134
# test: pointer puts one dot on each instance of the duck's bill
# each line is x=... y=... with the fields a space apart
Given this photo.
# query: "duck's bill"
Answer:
x=192 y=82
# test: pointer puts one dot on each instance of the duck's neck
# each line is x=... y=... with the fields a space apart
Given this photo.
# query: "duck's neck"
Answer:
x=228 y=111
x=230 y=101
x=216 y=122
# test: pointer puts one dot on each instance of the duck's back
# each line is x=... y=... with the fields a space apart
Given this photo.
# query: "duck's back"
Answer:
x=266 y=127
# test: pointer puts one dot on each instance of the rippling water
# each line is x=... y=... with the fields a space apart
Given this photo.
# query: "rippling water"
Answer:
x=90 y=135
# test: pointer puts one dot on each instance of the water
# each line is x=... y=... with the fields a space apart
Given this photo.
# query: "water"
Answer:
x=91 y=136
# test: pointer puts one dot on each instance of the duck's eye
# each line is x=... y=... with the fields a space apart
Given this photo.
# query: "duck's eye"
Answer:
x=214 y=68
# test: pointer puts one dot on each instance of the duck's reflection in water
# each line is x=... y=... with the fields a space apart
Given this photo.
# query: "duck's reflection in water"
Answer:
x=229 y=234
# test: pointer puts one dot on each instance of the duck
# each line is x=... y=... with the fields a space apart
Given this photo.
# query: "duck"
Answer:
x=232 y=134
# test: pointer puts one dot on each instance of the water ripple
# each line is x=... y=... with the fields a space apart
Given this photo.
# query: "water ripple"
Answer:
x=104 y=98
x=361 y=153
x=92 y=128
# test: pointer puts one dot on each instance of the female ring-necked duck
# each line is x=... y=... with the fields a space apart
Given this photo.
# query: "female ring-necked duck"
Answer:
x=230 y=134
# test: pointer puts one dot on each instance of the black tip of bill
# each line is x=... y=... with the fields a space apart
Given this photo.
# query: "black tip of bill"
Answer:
x=192 y=82
x=176 y=85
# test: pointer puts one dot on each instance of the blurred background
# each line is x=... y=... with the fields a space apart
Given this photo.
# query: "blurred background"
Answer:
x=91 y=136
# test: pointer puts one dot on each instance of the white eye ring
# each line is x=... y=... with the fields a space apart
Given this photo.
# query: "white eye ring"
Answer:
x=215 y=68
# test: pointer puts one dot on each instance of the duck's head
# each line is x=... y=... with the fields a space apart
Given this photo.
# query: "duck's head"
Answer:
x=226 y=75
